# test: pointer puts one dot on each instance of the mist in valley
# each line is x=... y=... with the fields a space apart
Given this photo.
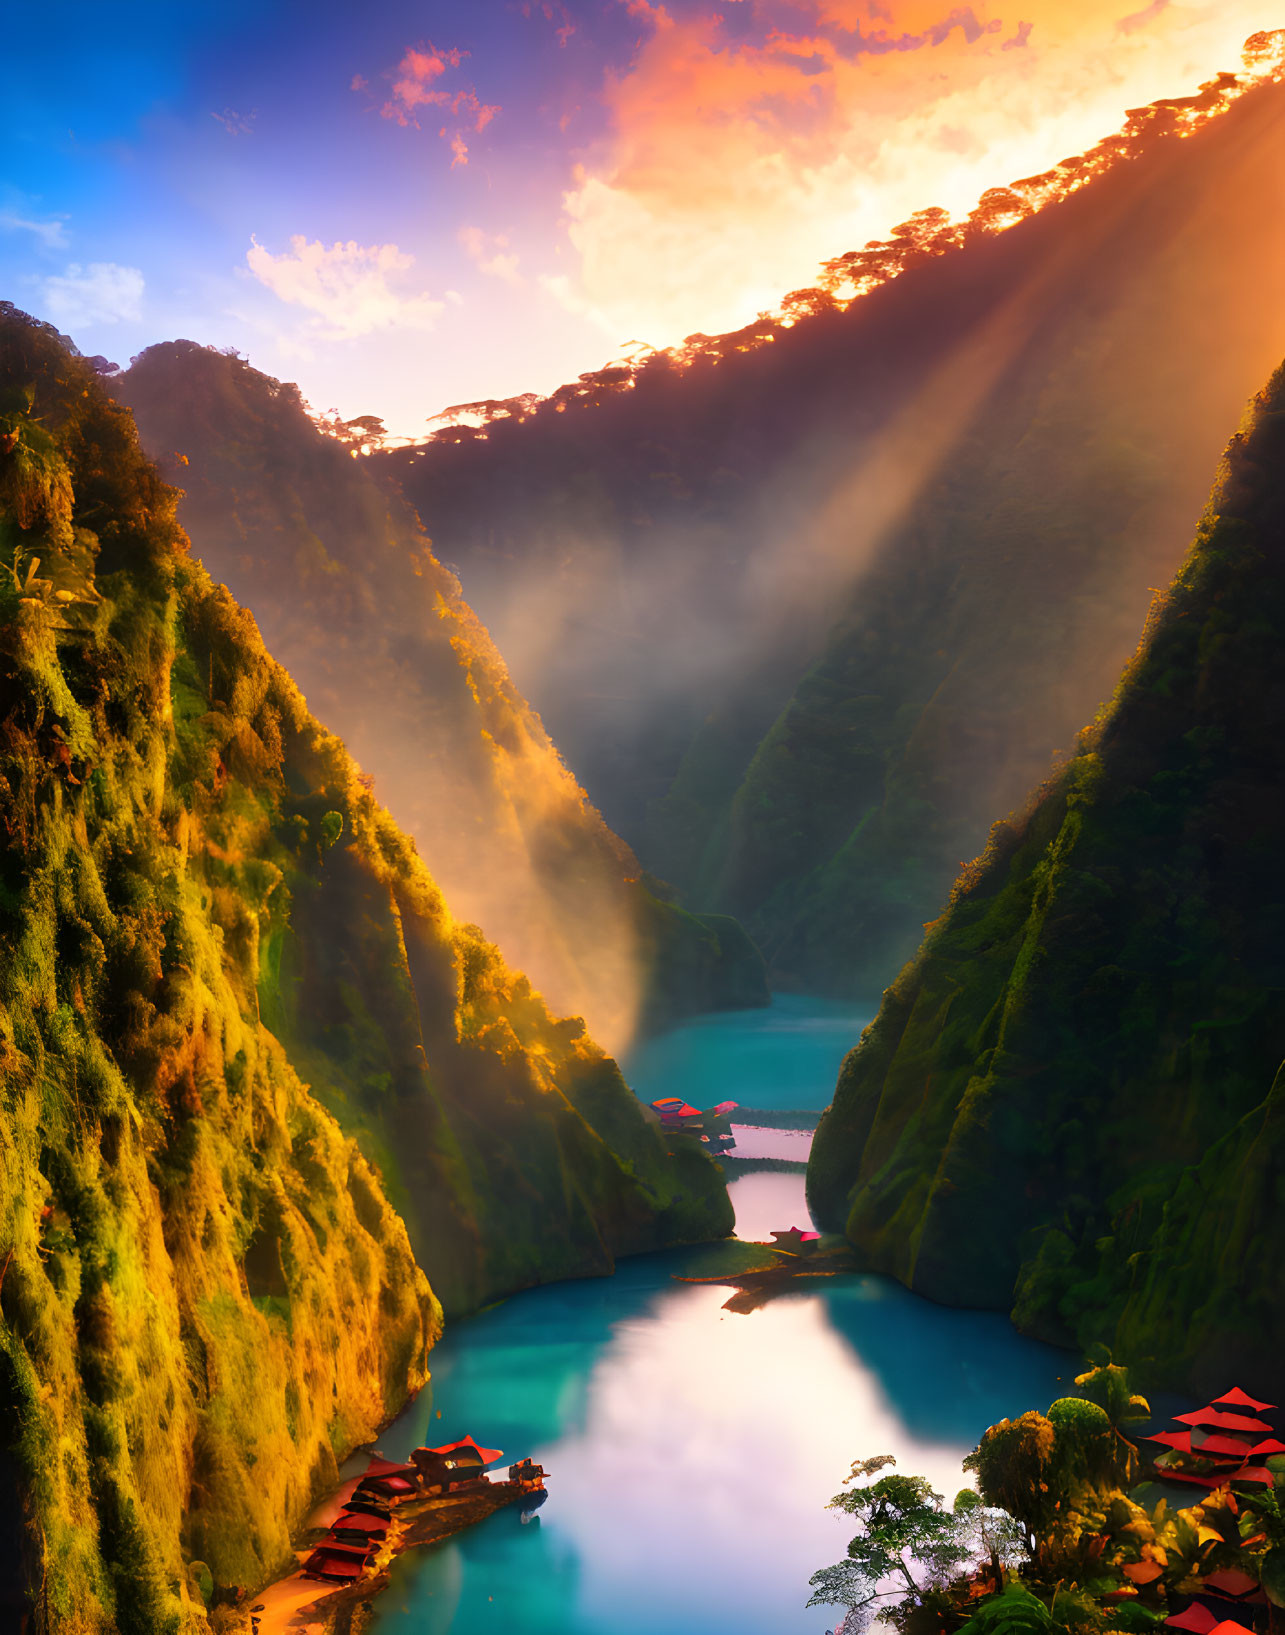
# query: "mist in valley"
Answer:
x=807 y=619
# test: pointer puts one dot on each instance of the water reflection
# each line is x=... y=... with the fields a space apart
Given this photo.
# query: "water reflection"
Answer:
x=692 y=1451
x=766 y=1200
x=784 y=1056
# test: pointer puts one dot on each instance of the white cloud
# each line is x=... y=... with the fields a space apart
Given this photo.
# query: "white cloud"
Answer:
x=50 y=233
x=491 y=254
x=101 y=293
x=560 y=287
x=346 y=286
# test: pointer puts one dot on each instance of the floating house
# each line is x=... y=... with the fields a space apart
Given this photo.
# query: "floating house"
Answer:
x=392 y=1485
x=366 y=1504
x=354 y=1540
x=1219 y=1446
x=712 y=1127
x=450 y=1468
x=356 y=1528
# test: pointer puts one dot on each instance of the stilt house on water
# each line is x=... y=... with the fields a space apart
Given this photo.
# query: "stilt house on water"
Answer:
x=449 y=1468
x=360 y=1530
x=712 y=1127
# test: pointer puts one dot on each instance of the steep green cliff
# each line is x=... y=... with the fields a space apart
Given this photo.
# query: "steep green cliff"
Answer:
x=352 y=601
x=230 y=996
x=1063 y=1105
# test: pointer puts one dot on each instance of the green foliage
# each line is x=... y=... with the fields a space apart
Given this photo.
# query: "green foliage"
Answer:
x=330 y=829
x=353 y=601
x=1014 y=1465
x=1107 y=1384
x=207 y=1298
x=1014 y=1612
x=906 y=1537
x=1070 y=1551
x=1272 y=1577
x=1096 y=1012
x=1087 y=1451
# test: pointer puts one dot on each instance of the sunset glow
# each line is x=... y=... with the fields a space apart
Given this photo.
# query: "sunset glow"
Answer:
x=444 y=203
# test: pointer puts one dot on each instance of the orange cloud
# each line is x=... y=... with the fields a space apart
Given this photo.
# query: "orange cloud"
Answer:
x=555 y=12
x=741 y=157
x=414 y=87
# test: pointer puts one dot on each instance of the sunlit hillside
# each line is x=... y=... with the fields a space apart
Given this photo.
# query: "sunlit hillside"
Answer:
x=352 y=599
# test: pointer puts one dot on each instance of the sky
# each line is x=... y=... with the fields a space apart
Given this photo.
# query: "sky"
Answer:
x=404 y=206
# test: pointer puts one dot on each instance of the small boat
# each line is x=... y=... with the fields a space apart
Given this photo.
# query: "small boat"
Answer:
x=337 y=1563
x=393 y=1486
x=368 y=1505
x=356 y=1528
x=713 y=1126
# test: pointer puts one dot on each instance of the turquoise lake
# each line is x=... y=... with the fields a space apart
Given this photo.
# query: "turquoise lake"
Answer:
x=784 y=1056
x=692 y=1451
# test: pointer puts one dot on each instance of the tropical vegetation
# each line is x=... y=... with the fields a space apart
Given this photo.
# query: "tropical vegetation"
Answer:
x=1059 y=1535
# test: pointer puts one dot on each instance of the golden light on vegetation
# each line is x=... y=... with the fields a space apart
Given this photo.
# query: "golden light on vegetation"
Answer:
x=931 y=231
x=747 y=148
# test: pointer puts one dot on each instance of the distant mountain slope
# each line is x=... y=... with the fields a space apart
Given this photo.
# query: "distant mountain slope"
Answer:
x=805 y=608
x=221 y=961
x=345 y=586
x=1069 y=1103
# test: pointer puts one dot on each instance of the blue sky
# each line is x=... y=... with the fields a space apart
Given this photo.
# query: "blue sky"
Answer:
x=405 y=205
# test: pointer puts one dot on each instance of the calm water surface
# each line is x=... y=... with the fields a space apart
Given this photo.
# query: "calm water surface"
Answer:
x=692 y=1451
x=784 y=1056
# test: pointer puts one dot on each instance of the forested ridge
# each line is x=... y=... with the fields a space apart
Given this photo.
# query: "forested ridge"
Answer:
x=805 y=606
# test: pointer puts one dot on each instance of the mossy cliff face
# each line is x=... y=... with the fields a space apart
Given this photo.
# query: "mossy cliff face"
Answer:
x=206 y=1297
x=344 y=584
x=1063 y=1105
